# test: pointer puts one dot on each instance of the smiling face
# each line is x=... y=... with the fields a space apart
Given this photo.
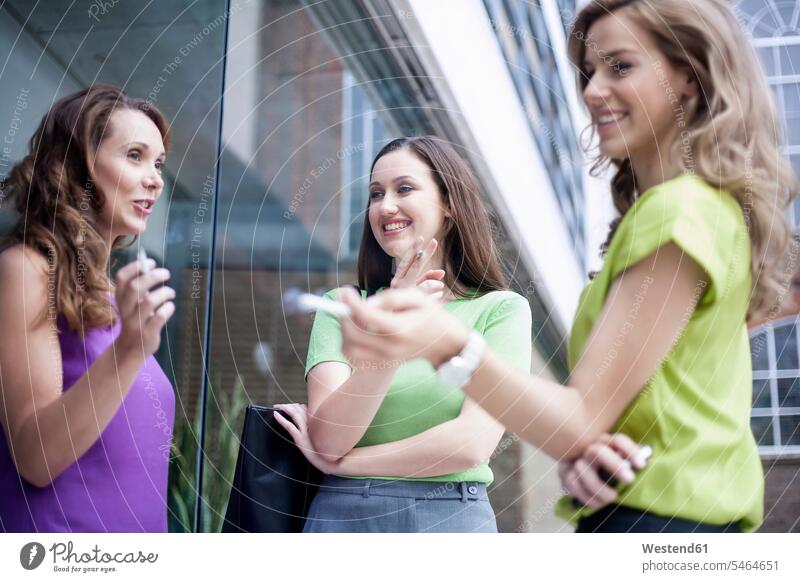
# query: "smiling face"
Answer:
x=126 y=170
x=404 y=202
x=633 y=93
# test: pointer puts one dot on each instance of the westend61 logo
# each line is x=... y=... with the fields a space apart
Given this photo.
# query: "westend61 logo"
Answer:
x=65 y=559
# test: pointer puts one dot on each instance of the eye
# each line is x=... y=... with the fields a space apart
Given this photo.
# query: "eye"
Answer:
x=404 y=189
x=160 y=165
x=135 y=155
x=375 y=194
x=622 y=68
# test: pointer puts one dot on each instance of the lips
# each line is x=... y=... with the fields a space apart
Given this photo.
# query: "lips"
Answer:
x=395 y=227
x=145 y=205
x=607 y=120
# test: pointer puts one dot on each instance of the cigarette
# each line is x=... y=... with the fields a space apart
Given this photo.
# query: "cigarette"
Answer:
x=643 y=455
x=142 y=258
x=308 y=302
x=418 y=249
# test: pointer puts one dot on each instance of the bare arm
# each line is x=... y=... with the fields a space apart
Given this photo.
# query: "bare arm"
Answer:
x=562 y=421
x=457 y=445
x=341 y=407
x=48 y=429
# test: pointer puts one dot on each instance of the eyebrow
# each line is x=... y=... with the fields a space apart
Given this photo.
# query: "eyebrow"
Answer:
x=612 y=55
x=398 y=179
x=143 y=146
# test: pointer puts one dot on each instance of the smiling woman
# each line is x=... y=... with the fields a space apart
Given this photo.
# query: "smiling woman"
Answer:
x=396 y=423
x=82 y=448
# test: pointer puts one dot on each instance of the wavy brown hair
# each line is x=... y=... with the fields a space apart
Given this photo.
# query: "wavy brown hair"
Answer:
x=733 y=134
x=57 y=203
x=471 y=260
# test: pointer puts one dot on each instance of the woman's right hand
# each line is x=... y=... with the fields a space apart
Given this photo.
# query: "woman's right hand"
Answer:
x=143 y=310
x=614 y=454
x=297 y=428
x=411 y=271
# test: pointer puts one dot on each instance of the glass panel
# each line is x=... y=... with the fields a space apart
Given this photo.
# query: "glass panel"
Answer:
x=786 y=347
x=171 y=56
x=767 y=57
x=791 y=97
x=761 y=394
x=790 y=430
x=758 y=352
x=762 y=430
x=788 y=392
x=758 y=17
x=789 y=56
x=292 y=199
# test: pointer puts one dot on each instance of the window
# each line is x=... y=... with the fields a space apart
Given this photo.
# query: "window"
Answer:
x=774 y=27
x=776 y=387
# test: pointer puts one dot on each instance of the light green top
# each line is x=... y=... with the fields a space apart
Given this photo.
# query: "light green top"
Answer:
x=416 y=400
x=695 y=410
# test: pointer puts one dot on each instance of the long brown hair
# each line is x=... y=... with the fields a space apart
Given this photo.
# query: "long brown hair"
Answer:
x=471 y=260
x=733 y=134
x=57 y=202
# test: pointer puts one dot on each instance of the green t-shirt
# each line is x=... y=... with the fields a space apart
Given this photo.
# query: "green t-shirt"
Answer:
x=695 y=410
x=416 y=400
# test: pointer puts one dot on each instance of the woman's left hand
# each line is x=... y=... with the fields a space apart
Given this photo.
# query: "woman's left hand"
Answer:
x=297 y=427
x=400 y=325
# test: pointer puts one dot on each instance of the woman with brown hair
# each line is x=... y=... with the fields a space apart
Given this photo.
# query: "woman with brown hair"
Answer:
x=84 y=448
x=403 y=452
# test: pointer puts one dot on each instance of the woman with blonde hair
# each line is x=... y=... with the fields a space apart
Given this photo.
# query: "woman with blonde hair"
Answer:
x=659 y=347
x=84 y=447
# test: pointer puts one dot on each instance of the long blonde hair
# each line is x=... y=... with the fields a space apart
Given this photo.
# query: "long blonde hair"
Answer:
x=733 y=134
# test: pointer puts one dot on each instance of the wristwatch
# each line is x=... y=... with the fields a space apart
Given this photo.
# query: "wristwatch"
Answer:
x=458 y=370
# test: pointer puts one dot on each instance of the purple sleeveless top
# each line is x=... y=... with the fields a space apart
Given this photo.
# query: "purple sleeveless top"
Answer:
x=120 y=483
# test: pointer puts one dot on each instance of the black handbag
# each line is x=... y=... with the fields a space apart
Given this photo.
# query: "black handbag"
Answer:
x=274 y=484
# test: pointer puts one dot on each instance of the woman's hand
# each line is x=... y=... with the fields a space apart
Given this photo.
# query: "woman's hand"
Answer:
x=613 y=454
x=411 y=269
x=143 y=313
x=400 y=325
x=297 y=427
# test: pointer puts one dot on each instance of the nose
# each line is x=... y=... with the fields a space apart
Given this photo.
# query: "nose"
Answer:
x=596 y=91
x=388 y=206
x=154 y=182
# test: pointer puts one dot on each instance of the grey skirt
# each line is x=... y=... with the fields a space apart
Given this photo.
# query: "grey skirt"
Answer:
x=383 y=505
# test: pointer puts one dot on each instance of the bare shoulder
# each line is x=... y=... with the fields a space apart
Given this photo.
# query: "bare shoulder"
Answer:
x=23 y=280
